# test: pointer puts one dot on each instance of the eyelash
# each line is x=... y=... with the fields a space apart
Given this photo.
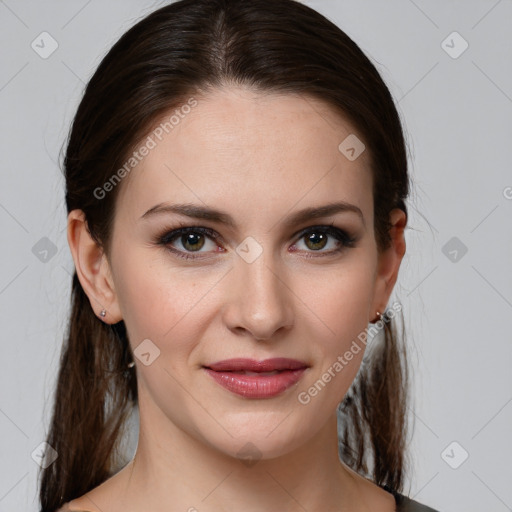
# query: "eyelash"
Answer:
x=169 y=236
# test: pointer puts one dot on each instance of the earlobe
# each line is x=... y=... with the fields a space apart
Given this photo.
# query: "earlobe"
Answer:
x=389 y=261
x=92 y=268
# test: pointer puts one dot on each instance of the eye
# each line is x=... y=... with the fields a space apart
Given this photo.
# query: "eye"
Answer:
x=194 y=238
x=191 y=239
x=317 y=238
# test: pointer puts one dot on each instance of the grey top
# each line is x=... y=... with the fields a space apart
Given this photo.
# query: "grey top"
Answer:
x=405 y=504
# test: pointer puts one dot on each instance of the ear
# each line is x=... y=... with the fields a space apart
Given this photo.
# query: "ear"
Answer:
x=93 y=269
x=389 y=262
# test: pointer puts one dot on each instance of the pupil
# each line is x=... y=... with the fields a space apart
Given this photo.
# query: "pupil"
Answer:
x=320 y=238
x=192 y=239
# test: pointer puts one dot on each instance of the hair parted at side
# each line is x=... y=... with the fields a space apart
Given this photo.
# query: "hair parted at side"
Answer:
x=181 y=50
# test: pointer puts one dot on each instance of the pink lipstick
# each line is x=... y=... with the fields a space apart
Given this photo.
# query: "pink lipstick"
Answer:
x=257 y=379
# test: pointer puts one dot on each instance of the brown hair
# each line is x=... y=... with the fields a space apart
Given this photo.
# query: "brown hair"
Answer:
x=177 y=51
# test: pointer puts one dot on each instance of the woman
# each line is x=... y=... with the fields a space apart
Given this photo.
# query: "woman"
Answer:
x=236 y=180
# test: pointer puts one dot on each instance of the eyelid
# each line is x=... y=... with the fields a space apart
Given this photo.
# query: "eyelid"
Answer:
x=183 y=229
x=216 y=236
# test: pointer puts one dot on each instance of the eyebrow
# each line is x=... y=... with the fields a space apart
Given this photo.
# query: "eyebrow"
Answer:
x=206 y=213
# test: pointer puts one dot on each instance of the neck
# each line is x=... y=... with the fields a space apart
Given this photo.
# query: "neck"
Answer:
x=172 y=470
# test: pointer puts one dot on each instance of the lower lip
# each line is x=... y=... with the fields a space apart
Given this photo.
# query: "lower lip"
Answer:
x=256 y=386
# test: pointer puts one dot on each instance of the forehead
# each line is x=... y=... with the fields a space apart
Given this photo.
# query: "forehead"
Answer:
x=240 y=147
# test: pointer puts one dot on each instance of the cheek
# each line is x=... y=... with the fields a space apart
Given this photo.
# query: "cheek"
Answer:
x=343 y=305
x=143 y=299
x=162 y=304
x=342 y=298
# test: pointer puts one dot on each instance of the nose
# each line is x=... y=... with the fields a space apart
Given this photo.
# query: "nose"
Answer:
x=260 y=301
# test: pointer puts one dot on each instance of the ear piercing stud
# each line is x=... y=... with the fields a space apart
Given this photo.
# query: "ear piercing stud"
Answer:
x=379 y=316
x=103 y=312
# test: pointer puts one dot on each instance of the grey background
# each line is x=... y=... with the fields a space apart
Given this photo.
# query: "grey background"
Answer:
x=457 y=115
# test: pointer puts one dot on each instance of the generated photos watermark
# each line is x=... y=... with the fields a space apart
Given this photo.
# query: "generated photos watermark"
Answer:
x=144 y=149
x=304 y=397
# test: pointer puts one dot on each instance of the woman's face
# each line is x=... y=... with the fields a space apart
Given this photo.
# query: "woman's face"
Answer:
x=263 y=285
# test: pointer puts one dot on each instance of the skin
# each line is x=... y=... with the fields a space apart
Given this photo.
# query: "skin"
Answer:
x=258 y=157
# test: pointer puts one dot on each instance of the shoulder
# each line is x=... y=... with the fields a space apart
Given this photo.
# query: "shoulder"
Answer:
x=405 y=504
x=66 y=508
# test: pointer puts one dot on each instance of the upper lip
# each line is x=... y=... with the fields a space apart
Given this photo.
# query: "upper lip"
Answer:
x=251 y=365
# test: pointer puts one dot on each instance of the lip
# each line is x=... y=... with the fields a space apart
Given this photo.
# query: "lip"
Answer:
x=229 y=374
x=251 y=365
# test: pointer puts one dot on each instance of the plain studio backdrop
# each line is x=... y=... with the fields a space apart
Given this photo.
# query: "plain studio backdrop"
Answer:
x=448 y=65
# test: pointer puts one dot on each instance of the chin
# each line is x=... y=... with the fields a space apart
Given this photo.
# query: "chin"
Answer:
x=263 y=440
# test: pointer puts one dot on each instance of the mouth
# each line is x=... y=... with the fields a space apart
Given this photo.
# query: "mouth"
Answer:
x=257 y=379
x=240 y=365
